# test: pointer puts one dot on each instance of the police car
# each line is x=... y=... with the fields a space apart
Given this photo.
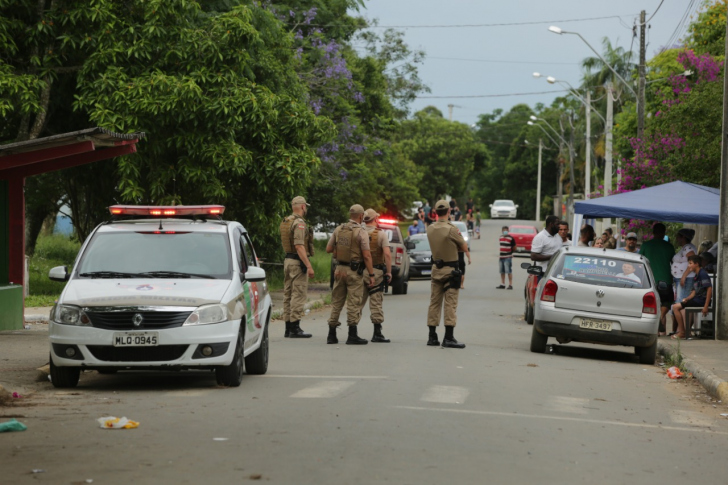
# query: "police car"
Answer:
x=162 y=288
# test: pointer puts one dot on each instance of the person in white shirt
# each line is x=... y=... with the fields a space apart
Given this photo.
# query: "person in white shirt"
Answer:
x=564 y=233
x=628 y=273
x=546 y=243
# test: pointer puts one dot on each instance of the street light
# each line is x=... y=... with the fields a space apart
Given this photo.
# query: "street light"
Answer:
x=533 y=121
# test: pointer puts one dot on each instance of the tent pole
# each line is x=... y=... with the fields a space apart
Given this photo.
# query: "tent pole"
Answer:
x=721 y=296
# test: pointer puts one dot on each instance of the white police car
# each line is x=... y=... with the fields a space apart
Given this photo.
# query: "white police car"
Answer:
x=156 y=288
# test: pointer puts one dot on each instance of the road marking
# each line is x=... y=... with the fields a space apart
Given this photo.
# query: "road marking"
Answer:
x=323 y=377
x=563 y=418
x=690 y=418
x=564 y=404
x=324 y=389
x=446 y=394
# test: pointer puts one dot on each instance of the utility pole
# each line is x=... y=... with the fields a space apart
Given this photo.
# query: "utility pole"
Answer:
x=538 y=182
x=641 y=88
x=449 y=110
x=572 y=183
x=721 y=298
x=559 y=185
x=608 y=151
x=587 y=168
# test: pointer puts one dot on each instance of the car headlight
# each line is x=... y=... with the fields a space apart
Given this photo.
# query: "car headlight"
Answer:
x=70 y=315
x=207 y=314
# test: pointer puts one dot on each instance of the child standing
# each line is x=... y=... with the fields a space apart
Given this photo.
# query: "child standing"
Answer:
x=505 y=263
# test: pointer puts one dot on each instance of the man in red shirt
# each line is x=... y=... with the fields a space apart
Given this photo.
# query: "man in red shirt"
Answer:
x=505 y=263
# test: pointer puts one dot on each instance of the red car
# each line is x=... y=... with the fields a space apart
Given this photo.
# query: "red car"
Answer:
x=524 y=237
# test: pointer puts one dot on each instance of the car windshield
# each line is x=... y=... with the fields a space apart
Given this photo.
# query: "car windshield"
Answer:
x=197 y=254
x=522 y=230
x=421 y=244
x=503 y=203
x=603 y=271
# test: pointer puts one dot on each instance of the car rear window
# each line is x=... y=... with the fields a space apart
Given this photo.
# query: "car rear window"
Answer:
x=522 y=230
x=392 y=234
x=421 y=243
x=602 y=271
x=140 y=252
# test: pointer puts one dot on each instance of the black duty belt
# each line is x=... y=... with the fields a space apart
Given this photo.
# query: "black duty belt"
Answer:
x=343 y=263
x=293 y=256
x=440 y=263
x=380 y=266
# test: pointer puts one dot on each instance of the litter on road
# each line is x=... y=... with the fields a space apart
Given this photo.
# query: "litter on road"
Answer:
x=674 y=373
x=112 y=422
x=12 y=425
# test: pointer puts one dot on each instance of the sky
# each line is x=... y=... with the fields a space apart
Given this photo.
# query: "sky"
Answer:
x=478 y=61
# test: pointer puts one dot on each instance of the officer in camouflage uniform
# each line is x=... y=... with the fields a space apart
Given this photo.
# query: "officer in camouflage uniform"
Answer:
x=350 y=245
x=445 y=242
x=297 y=240
x=382 y=262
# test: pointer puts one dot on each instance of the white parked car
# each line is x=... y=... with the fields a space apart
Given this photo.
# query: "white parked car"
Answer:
x=463 y=228
x=597 y=296
x=503 y=209
x=162 y=288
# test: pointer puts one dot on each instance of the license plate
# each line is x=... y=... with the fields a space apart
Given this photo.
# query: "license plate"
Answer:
x=592 y=324
x=426 y=271
x=520 y=249
x=136 y=339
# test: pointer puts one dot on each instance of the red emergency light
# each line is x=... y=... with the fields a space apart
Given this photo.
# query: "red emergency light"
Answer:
x=166 y=211
x=388 y=221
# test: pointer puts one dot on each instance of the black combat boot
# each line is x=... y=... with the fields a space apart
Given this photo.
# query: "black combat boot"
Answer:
x=354 y=338
x=433 y=341
x=331 y=339
x=288 y=330
x=296 y=332
x=378 y=337
x=449 y=341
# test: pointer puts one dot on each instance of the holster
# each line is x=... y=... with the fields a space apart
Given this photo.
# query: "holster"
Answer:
x=455 y=281
x=304 y=269
x=378 y=288
x=439 y=263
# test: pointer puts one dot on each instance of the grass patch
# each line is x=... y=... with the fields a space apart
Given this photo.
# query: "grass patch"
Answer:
x=321 y=262
x=676 y=359
x=50 y=251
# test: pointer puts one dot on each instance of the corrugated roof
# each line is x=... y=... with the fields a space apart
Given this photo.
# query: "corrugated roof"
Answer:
x=100 y=137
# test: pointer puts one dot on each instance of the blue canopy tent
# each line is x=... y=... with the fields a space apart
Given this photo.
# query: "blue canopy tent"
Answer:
x=673 y=202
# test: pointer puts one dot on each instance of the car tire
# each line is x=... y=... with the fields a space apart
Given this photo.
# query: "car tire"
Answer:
x=64 y=377
x=529 y=315
x=257 y=362
x=405 y=287
x=398 y=286
x=647 y=355
x=232 y=375
x=538 y=341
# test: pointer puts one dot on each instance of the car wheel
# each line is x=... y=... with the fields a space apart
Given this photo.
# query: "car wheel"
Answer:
x=647 y=355
x=405 y=286
x=64 y=377
x=538 y=341
x=529 y=316
x=525 y=307
x=257 y=362
x=398 y=286
x=232 y=375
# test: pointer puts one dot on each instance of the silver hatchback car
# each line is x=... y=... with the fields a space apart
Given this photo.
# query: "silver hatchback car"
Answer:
x=599 y=296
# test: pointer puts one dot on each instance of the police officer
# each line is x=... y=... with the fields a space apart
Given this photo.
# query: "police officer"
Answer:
x=445 y=242
x=382 y=263
x=350 y=245
x=297 y=240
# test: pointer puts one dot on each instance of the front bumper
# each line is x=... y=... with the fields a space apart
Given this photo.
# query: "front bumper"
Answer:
x=178 y=347
x=629 y=331
x=420 y=270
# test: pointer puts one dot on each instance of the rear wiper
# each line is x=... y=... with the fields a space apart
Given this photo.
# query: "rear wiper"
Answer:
x=108 y=274
x=175 y=274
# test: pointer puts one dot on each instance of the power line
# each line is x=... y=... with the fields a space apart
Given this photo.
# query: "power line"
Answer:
x=678 y=30
x=495 y=61
x=493 y=95
x=504 y=24
x=657 y=10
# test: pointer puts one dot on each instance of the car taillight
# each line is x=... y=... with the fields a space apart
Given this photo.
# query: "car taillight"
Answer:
x=398 y=257
x=649 y=303
x=549 y=291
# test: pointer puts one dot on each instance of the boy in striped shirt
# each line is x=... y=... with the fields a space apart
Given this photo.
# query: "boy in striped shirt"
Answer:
x=505 y=263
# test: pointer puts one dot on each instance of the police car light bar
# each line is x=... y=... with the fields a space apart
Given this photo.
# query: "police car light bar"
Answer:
x=166 y=211
x=388 y=221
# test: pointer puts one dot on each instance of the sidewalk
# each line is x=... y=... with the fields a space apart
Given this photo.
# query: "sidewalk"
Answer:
x=707 y=360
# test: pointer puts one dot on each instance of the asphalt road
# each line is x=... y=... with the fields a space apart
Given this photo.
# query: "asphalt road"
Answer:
x=388 y=413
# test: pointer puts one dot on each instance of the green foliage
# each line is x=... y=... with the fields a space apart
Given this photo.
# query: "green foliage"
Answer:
x=707 y=32
x=51 y=251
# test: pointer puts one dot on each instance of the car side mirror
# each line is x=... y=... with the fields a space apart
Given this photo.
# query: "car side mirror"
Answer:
x=525 y=265
x=409 y=245
x=535 y=270
x=661 y=286
x=255 y=274
x=59 y=273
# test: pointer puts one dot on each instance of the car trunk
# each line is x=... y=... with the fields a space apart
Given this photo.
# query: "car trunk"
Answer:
x=522 y=240
x=573 y=295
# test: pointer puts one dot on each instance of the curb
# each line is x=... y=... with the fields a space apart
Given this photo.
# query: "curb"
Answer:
x=716 y=386
x=36 y=318
x=317 y=303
